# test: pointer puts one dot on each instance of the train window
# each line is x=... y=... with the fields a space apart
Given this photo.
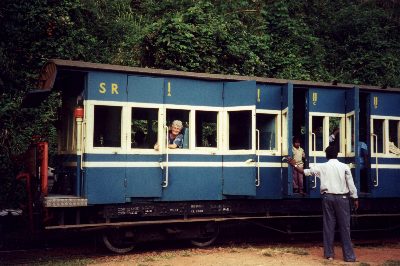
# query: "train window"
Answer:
x=206 y=129
x=350 y=133
x=144 y=125
x=266 y=124
x=334 y=129
x=378 y=131
x=107 y=126
x=284 y=134
x=183 y=116
x=68 y=131
x=394 y=132
x=240 y=130
x=318 y=133
x=66 y=125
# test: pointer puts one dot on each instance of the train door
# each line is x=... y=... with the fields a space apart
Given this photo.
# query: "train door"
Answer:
x=385 y=142
x=326 y=113
x=268 y=141
x=363 y=139
x=287 y=136
x=239 y=168
x=353 y=156
x=105 y=146
x=300 y=122
x=194 y=171
x=143 y=171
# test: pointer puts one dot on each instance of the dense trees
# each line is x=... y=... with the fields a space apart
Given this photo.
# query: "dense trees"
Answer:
x=352 y=41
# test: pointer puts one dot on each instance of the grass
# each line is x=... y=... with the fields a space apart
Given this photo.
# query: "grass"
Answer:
x=186 y=254
x=391 y=263
x=149 y=259
x=59 y=262
x=269 y=252
x=297 y=251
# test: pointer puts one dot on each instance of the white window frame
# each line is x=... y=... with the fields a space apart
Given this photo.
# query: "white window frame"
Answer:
x=326 y=133
x=130 y=105
x=349 y=133
x=225 y=145
x=89 y=128
x=193 y=131
x=284 y=133
x=385 y=153
x=278 y=131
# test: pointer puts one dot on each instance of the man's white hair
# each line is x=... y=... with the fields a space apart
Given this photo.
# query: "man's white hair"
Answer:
x=177 y=123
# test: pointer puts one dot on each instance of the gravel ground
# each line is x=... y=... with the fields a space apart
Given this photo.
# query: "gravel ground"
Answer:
x=387 y=254
x=237 y=246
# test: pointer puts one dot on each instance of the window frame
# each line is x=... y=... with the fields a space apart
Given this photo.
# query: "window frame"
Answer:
x=225 y=147
x=67 y=140
x=201 y=148
x=386 y=119
x=88 y=146
x=129 y=134
x=192 y=149
x=350 y=131
x=278 y=137
x=326 y=133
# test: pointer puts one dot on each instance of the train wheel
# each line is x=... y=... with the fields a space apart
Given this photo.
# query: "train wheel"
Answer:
x=116 y=241
x=208 y=233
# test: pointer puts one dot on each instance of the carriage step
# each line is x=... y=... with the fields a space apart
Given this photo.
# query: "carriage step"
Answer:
x=64 y=201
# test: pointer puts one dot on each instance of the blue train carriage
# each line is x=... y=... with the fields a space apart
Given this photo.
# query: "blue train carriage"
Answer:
x=362 y=114
x=236 y=130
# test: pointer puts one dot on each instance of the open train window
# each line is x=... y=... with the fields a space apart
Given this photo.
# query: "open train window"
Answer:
x=183 y=116
x=350 y=133
x=240 y=130
x=206 y=128
x=107 y=126
x=378 y=137
x=323 y=127
x=334 y=125
x=67 y=126
x=266 y=124
x=394 y=136
x=318 y=133
x=144 y=125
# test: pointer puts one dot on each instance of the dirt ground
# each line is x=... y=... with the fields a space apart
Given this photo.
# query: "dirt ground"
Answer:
x=247 y=255
x=386 y=254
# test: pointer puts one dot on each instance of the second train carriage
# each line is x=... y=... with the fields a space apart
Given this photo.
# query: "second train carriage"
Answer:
x=236 y=132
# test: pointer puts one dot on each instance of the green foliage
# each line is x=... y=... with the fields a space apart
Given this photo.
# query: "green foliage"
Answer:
x=296 y=52
x=360 y=39
x=201 y=40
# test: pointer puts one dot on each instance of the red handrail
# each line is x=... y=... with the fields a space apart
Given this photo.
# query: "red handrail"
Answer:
x=43 y=149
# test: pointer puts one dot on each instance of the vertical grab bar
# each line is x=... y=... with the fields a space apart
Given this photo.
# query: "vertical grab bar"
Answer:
x=82 y=142
x=165 y=182
x=258 y=181
x=376 y=159
x=315 y=157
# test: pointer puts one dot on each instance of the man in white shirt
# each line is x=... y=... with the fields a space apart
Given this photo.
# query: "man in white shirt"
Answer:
x=337 y=186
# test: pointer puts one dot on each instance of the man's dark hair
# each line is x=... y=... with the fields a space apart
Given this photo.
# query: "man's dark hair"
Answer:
x=331 y=152
x=296 y=139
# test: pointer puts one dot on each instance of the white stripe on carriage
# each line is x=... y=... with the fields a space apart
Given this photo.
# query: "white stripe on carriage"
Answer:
x=175 y=164
x=201 y=164
x=386 y=166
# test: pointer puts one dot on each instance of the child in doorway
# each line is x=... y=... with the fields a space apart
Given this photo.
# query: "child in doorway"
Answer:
x=298 y=156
